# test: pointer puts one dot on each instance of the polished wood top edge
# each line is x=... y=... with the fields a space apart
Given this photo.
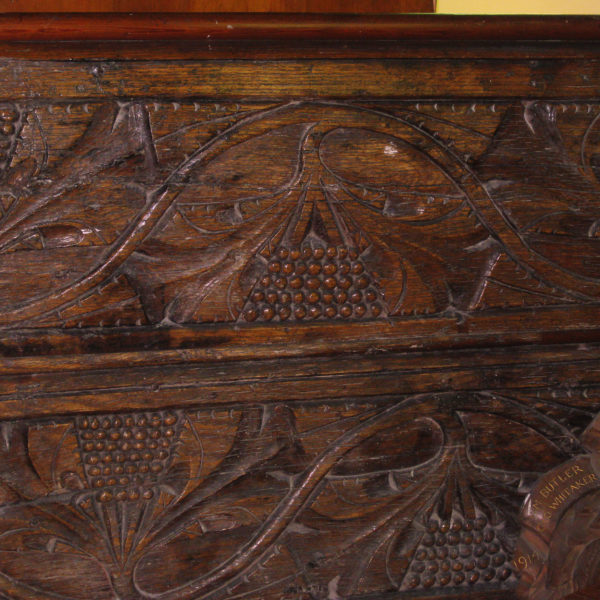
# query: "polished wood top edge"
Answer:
x=41 y=27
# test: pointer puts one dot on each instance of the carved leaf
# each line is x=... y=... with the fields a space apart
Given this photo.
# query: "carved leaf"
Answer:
x=547 y=225
x=228 y=187
x=397 y=178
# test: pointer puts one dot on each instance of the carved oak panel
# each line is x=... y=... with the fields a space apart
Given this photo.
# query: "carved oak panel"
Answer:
x=302 y=500
x=279 y=323
x=167 y=213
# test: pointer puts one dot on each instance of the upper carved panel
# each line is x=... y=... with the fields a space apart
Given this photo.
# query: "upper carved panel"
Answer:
x=141 y=213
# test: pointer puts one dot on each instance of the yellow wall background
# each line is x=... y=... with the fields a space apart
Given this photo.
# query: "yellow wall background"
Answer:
x=499 y=7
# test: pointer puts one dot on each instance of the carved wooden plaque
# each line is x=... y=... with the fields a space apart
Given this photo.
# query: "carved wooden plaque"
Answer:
x=299 y=322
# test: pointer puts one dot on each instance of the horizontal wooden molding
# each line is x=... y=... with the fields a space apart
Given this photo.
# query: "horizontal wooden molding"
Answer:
x=245 y=26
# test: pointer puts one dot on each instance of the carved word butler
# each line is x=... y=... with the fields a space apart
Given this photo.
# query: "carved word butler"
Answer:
x=559 y=549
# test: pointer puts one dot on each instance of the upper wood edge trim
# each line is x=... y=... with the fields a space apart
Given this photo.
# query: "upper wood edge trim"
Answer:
x=69 y=27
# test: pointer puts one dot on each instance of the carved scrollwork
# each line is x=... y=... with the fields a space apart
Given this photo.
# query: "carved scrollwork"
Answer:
x=142 y=213
x=332 y=500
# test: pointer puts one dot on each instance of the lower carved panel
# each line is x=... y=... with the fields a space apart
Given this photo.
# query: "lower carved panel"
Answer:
x=391 y=496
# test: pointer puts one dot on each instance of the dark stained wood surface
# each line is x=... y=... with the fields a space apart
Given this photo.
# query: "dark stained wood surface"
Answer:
x=253 y=6
x=302 y=319
x=318 y=27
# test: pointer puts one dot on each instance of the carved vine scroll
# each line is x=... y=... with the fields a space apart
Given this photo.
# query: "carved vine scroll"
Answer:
x=159 y=467
x=333 y=500
x=133 y=213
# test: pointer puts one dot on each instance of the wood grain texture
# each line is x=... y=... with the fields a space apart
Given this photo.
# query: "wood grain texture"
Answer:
x=290 y=326
x=318 y=27
x=253 y=6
